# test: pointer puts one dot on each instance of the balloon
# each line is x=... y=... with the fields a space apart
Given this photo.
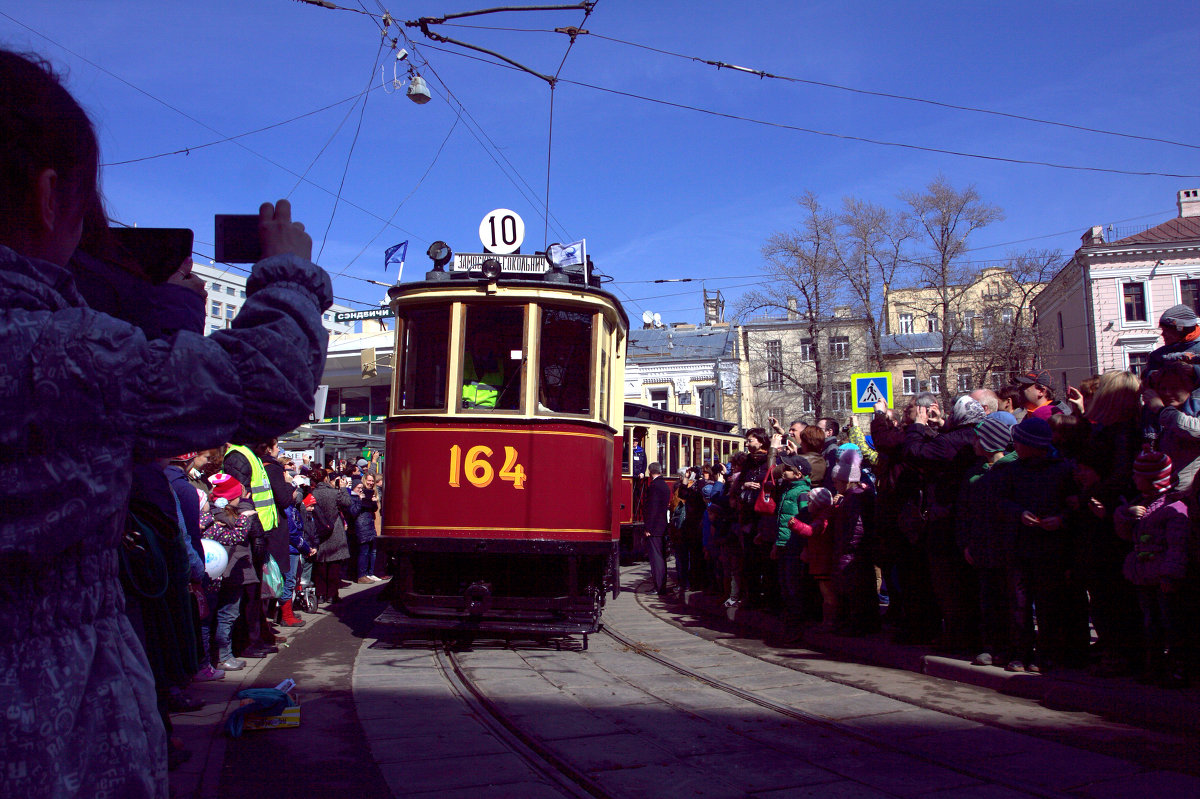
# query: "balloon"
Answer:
x=215 y=558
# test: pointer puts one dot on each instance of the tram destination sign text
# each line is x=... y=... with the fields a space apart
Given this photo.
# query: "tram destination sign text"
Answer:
x=510 y=264
x=354 y=316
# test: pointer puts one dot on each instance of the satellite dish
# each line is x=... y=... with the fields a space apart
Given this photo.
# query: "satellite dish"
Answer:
x=647 y=317
x=658 y=320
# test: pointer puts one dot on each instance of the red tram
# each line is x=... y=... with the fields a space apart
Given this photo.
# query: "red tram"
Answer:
x=503 y=450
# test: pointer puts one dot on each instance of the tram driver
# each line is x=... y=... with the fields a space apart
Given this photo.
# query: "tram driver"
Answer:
x=483 y=370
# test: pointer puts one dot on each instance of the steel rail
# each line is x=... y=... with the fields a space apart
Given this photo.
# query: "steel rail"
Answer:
x=796 y=714
x=568 y=779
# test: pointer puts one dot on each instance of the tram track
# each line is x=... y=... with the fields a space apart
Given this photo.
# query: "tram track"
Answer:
x=805 y=717
x=572 y=782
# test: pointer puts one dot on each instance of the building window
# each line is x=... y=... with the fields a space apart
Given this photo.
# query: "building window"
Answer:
x=708 y=403
x=964 y=380
x=213 y=328
x=1134 y=295
x=909 y=381
x=841 y=396
x=215 y=286
x=969 y=324
x=935 y=324
x=215 y=309
x=809 y=403
x=325 y=317
x=775 y=365
x=229 y=309
x=243 y=293
x=1062 y=339
x=839 y=347
x=658 y=398
x=1006 y=316
x=935 y=383
x=1189 y=293
x=230 y=290
x=906 y=323
x=1137 y=361
x=997 y=381
x=806 y=349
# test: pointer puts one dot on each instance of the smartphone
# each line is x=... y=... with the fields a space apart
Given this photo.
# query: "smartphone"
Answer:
x=157 y=251
x=237 y=239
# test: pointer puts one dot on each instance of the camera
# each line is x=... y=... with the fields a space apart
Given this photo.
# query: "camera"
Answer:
x=236 y=237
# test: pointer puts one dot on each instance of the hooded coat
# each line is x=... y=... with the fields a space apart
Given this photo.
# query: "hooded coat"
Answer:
x=82 y=395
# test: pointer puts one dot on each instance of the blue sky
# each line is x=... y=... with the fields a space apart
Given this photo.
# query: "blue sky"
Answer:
x=658 y=191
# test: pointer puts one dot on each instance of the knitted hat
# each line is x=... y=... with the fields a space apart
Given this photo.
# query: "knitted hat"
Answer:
x=1154 y=465
x=186 y=457
x=309 y=500
x=849 y=465
x=1180 y=317
x=819 y=499
x=226 y=487
x=995 y=434
x=1033 y=432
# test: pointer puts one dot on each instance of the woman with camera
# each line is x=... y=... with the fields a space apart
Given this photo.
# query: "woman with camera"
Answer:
x=83 y=396
x=333 y=505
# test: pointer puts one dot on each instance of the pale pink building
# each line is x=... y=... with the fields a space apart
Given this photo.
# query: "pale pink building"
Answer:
x=1100 y=312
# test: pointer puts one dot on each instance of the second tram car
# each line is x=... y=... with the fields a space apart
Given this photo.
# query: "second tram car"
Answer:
x=502 y=452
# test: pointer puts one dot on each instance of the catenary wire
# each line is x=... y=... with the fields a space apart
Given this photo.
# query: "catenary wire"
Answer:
x=843 y=136
x=350 y=153
x=184 y=114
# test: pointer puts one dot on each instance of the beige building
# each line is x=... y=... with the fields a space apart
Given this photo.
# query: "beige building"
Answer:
x=781 y=355
x=985 y=327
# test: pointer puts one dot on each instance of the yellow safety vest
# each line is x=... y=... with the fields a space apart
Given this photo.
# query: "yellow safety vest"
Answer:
x=481 y=392
x=261 y=496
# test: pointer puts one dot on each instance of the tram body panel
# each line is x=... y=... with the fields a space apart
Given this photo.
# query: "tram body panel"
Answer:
x=474 y=480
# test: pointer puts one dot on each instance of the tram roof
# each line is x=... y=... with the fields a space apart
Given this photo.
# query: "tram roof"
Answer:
x=635 y=411
x=457 y=281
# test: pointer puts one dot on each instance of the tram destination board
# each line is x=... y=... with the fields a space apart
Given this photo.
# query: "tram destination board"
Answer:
x=354 y=316
x=509 y=264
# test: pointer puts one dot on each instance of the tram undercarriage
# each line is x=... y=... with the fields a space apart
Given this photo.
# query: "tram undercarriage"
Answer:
x=500 y=586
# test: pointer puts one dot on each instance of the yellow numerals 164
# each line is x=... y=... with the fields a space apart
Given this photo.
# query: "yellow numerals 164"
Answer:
x=479 y=471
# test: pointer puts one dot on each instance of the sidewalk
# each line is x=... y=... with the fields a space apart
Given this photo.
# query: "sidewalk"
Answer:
x=1119 y=699
x=202 y=731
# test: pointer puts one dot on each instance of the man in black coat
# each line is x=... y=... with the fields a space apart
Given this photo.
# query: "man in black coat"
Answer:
x=654 y=514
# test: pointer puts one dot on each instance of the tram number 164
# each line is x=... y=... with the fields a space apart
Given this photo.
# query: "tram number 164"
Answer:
x=478 y=469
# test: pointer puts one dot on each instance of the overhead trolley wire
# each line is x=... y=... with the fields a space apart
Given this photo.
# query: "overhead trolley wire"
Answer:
x=843 y=136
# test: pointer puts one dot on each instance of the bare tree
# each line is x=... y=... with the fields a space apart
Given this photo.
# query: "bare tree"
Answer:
x=870 y=252
x=944 y=218
x=802 y=277
x=1007 y=342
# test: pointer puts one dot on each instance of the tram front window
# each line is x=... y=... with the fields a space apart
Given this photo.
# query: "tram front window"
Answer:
x=424 y=346
x=493 y=357
x=566 y=361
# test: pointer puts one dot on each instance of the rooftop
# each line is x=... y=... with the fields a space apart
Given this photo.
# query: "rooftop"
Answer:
x=681 y=343
x=1185 y=228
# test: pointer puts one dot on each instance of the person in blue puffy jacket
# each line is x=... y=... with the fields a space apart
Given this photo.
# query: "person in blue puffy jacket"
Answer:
x=82 y=395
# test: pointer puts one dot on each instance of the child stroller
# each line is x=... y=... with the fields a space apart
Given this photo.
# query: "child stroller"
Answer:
x=306 y=592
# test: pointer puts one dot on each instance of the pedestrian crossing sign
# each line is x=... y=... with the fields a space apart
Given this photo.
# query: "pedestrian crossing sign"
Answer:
x=869 y=388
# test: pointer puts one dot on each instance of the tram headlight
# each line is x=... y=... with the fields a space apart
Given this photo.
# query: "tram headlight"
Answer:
x=440 y=253
x=490 y=269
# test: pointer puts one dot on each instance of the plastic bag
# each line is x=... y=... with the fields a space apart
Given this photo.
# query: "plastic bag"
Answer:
x=272 y=579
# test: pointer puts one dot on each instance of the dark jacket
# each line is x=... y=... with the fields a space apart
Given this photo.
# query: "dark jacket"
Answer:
x=829 y=453
x=942 y=460
x=364 y=519
x=332 y=503
x=654 y=508
x=1041 y=487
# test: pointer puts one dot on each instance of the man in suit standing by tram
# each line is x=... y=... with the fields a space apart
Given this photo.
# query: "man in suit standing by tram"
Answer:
x=654 y=514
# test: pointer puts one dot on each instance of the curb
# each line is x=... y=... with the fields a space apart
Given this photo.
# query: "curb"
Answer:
x=1118 y=699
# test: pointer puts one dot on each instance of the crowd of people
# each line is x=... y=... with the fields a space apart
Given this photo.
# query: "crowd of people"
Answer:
x=1025 y=532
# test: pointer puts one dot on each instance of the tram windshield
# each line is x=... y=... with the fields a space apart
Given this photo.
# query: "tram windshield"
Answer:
x=425 y=342
x=566 y=361
x=493 y=357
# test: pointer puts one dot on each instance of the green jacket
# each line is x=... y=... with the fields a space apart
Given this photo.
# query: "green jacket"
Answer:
x=793 y=500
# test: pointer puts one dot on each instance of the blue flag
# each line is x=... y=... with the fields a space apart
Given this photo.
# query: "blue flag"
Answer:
x=389 y=256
